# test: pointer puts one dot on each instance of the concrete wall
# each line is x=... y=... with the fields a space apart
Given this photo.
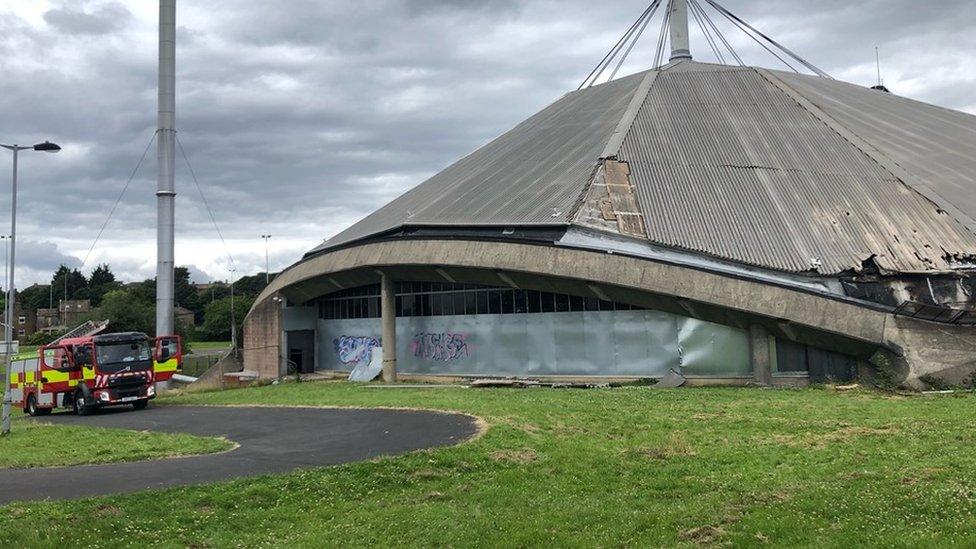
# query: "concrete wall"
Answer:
x=262 y=338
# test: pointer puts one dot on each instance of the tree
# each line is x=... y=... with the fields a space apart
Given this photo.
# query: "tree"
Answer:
x=251 y=285
x=101 y=281
x=77 y=284
x=35 y=297
x=216 y=317
x=127 y=312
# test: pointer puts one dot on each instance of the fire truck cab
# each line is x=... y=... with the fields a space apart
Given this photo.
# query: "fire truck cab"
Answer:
x=85 y=373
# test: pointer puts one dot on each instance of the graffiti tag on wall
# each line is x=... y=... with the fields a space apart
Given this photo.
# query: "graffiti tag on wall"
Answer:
x=354 y=349
x=442 y=347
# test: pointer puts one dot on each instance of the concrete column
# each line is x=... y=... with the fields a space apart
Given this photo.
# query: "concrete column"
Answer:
x=388 y=319
x=760 y=355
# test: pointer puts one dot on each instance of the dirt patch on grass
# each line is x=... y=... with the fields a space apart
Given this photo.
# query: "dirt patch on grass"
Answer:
x=702 y=535
x=106 y=510
x=522 y=457
x=675 y=446
x=429 y=474
x=819 y=441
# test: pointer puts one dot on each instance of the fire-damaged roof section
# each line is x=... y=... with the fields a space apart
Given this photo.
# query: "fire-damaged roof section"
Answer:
x=799 y=174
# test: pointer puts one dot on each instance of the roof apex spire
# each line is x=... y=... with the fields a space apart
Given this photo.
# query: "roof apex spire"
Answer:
x=678 y=22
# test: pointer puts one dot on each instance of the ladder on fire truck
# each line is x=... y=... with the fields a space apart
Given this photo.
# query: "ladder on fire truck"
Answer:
x=87 y=328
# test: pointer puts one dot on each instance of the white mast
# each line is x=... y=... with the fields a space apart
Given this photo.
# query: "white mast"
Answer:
x=678 y=23
x=165 y=188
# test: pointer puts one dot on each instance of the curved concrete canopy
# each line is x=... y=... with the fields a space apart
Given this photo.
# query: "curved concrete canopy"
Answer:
x=693 y=292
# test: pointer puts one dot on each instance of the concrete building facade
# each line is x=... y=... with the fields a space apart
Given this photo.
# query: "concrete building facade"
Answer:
x=732 y=224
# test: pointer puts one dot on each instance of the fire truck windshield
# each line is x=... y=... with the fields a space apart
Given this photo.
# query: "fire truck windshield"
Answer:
x=119 y=357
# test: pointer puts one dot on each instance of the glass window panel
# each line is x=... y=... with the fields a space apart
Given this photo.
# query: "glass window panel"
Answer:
x=482 y=297
x=548 y=302
x=399 y=308
x=470 y=303
x=534 y=301
x=508 y=302
x=591 y=304
x=606 y=305
x=459 y=303
x=520 y=301
x=575 y=303
x=494 y=302
x=562 y=303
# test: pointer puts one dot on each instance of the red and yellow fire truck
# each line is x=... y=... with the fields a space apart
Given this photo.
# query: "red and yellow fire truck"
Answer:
x=85 y=373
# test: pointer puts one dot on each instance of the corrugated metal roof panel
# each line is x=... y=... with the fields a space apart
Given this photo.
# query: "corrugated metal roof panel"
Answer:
x=728 y=165
x=934 y=144
x=531 y=175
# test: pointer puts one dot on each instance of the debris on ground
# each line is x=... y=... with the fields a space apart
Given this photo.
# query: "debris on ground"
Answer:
x=670 y=380
x=366 y=371
x=521 y=383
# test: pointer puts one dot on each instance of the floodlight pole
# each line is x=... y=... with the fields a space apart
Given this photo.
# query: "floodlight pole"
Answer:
x=165 y=186
x=678 y=22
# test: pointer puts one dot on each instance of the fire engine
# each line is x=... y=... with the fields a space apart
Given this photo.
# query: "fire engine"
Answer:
x=91 y=371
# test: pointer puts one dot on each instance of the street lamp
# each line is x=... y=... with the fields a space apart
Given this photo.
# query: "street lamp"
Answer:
x=267 y=270
x=47 y=147
x=233 y=321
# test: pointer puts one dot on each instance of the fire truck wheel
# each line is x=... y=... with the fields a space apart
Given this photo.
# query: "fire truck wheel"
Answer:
x=31 y=407
x=80 y=405
x=140 y=404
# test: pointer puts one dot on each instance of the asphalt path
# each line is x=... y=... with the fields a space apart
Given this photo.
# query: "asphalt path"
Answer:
x=272 y=440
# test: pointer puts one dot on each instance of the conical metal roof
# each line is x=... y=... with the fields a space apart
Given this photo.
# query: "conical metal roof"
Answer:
x=782 y=171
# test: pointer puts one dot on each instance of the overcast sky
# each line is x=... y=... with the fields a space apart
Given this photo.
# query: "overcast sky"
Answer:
x=301 y=117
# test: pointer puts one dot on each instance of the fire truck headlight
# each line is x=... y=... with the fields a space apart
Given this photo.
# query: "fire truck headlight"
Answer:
x=103 y=395
x=151 y=391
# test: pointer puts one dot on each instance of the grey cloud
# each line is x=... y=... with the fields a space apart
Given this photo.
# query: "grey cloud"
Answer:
x=42 y=256
x=104 y=19
x=300 y=118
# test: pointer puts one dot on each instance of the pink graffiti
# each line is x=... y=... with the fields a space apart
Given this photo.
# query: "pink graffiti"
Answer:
x=442 y=347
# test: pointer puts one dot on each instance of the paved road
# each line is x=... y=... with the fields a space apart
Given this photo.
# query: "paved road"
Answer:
x=272 y=440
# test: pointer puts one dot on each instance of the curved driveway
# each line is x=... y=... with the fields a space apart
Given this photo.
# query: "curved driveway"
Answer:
x=272 y=440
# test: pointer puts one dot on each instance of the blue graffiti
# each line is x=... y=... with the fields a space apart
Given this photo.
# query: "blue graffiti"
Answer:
x=354 y=349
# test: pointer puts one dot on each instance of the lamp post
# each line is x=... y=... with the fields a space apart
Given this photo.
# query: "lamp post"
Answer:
x=267 y=269
x=233 y=321
x=48 y=147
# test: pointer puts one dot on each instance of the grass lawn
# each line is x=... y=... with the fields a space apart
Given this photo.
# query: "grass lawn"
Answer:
x=616 y=467
x=36 y=444
x=196 y=346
